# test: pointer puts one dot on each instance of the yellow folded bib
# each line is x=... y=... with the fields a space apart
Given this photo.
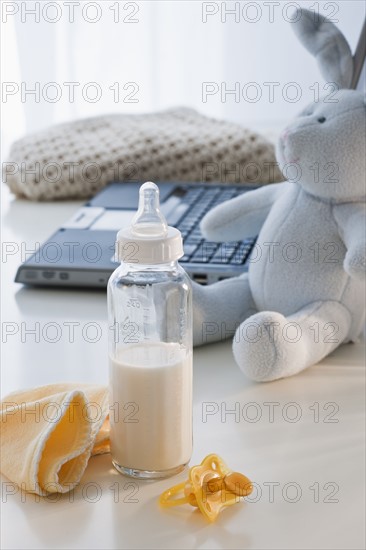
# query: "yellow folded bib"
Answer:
x=49 y=433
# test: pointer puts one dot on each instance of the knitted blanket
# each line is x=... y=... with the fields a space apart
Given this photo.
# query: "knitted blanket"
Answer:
x=76 y=159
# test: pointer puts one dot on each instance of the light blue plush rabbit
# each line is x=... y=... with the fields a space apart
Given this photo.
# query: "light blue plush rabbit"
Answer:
x=304 y=293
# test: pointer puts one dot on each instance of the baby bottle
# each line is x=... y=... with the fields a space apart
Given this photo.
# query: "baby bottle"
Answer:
x=150 y=347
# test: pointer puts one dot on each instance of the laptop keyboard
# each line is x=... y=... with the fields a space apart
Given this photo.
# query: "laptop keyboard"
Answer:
x=198 y=202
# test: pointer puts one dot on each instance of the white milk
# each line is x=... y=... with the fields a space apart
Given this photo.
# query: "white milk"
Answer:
x=151 y=388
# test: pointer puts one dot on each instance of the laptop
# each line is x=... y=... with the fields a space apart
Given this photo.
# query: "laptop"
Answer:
x=81 y=252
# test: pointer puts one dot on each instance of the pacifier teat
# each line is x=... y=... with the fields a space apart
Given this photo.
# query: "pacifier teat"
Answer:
x=148 y=220
x=211 y=486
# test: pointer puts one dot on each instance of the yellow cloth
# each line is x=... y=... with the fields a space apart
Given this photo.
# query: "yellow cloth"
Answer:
x=49 y=433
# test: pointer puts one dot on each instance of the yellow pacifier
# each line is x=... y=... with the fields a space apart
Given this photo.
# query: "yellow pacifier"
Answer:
x=210 y=487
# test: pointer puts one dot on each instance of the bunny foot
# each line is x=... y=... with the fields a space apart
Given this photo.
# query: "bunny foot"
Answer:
x=261 y=350
x=268 y=346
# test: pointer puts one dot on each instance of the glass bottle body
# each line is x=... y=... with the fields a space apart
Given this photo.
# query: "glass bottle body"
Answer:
x=150 y=355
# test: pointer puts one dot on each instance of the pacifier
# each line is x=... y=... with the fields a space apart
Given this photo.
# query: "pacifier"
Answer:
x=211 y=486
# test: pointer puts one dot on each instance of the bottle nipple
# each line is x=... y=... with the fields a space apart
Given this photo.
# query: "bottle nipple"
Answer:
x=148 y=220
x=148 y=240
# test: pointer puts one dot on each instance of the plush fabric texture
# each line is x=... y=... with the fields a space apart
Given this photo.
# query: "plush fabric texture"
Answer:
x=49 y=433
x=76 y=159
x=304 y=293
x=327 y=44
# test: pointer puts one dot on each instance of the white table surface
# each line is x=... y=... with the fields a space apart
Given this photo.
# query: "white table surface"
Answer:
x=106 y=512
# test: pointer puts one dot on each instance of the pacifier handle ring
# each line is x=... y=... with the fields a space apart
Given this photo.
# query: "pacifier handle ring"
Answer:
x=166 y=501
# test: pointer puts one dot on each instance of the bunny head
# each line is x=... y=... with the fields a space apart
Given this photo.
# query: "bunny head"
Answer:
x=323 y=149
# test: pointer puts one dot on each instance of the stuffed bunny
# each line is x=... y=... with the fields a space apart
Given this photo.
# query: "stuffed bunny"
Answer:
x=304 y=293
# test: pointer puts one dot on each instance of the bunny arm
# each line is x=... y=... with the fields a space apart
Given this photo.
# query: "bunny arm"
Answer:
x=242 y=216
x=351 y=219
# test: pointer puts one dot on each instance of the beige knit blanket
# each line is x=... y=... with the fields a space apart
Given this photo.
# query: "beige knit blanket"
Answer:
x=76 y=159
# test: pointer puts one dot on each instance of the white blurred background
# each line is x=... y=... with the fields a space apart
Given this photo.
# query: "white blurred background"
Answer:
x=84 y=58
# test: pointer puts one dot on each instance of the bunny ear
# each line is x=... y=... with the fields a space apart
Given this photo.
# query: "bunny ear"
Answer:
x=327 y=44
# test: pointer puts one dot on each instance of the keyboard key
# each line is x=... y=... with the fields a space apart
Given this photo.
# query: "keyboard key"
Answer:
x=219 y=258
x=224 y=253
x=239 y=257
x=204 y=252
x=196 y=233
x=193 y=240
x=184 y=226
x=190 y=220
x=241 y=254
x=189 y=249
x=227 y=196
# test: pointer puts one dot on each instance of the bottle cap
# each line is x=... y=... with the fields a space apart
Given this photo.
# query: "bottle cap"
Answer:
x=211 y=486
x=149 y=239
